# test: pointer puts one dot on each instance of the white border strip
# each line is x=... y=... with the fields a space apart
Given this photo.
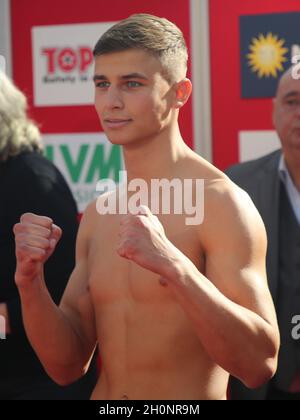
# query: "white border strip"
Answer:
x=5 y=34
x=200 y=42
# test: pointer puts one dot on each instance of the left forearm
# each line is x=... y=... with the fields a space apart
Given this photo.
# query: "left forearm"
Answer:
x=236 y=338
x=4 y=314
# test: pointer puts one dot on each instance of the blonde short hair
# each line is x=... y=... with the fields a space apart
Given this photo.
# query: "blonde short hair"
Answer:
x=155 y=35
x=17 y=132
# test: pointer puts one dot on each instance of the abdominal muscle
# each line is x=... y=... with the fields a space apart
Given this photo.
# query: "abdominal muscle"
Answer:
x=151 y=352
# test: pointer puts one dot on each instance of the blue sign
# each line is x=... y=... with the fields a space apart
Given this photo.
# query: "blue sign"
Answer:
x=268 y=43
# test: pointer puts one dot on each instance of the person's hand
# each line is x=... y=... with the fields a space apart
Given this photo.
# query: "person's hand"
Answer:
x=4 y=329
x=143 y=240
x=36 y=238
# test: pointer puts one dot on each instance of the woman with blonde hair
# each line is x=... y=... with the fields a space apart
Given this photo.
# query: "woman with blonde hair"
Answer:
x=30 y=183
x=18 y=134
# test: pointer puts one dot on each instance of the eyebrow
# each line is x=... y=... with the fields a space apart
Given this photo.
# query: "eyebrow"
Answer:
x=125 y=77
x=291 y=94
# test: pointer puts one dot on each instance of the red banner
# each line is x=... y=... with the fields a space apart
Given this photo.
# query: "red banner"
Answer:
x=28 y=14
x=231 y=114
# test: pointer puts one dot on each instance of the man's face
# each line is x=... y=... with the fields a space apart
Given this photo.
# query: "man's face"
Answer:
x=287 y=115
x=132 y=98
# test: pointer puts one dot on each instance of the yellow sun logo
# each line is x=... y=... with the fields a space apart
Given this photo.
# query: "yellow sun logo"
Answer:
x=267 y=55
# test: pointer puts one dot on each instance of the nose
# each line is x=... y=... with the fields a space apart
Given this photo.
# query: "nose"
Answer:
x=114 y=98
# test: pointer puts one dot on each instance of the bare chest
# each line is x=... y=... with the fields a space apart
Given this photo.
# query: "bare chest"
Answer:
x=113 y=278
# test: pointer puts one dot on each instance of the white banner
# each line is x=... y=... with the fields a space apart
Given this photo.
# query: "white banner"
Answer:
x=63 y=63
x=84 y=159
x=255 y=144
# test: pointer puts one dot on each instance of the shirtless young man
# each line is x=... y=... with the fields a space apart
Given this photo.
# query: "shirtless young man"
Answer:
x=174 y=308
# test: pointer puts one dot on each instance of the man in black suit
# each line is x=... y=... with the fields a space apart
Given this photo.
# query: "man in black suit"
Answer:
x=273 y=182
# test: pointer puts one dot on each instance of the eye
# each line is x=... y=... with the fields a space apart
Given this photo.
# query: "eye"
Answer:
x=102 y=85
x=133 y=84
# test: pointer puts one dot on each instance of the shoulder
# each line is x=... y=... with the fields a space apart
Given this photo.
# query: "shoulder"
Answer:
x=224 y=194
x=94 y=213
x=223 y=199
x=34 y=184
x=34 y=167
x=89 y=218
x=230 y=215
x=253 y=167
x=228 y=209
x=94 y=222
x=35 y=163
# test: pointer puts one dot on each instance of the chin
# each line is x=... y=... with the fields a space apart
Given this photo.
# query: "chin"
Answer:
x=292 y=153
x=114 y=138
x=119 y=141
x=133 y=140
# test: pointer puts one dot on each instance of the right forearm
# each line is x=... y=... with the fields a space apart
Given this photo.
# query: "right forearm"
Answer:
x=51 y=334
x=56 y=341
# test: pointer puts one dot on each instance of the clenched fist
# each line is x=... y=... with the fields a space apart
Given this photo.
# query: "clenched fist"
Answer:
x=36 y=238
x=143 y=241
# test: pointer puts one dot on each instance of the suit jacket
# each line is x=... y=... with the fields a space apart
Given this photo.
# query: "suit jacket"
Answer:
x=260 y=178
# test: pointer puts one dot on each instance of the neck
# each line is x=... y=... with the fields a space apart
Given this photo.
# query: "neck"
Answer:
x=156 y=158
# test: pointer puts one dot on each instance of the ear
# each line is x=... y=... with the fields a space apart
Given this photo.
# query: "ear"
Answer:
x=183 y=90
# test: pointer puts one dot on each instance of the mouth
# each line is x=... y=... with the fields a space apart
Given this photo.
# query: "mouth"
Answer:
x=116 y=122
